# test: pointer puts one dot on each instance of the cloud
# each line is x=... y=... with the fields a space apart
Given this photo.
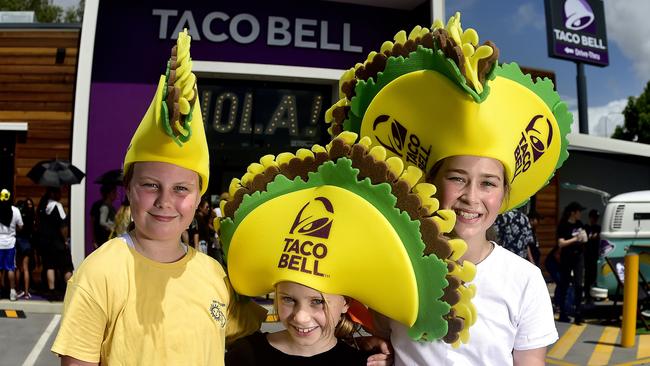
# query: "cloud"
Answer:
x=602 y=120
x=571 y=102
x=527 y=15
x=628 y=27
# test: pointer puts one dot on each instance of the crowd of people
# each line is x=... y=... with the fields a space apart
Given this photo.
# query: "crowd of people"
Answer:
x=36 y=248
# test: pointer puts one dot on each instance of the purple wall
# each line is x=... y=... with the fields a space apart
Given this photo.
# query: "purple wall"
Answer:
x=109 y=133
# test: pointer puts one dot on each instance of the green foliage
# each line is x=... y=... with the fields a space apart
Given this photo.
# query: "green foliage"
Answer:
x=637 y=119
x=75 y=14
x=44 y=12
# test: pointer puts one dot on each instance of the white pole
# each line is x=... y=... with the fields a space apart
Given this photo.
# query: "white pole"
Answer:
x=80 y=134
x=438 y=10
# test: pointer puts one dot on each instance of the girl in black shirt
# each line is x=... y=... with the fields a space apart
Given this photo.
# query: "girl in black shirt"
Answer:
x=315 y=324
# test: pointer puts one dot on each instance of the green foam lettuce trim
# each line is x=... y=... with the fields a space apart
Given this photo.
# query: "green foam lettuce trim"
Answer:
x=430 y=271
x=544 y=89
x=421 y=59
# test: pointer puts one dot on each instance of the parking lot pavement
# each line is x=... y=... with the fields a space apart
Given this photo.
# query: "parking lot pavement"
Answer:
x=26 y=341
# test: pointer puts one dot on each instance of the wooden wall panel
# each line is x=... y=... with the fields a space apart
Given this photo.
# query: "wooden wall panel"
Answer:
x=37 y=77
x=546 y=201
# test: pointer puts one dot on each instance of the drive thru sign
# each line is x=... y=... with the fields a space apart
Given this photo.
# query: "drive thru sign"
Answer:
x=575 y=30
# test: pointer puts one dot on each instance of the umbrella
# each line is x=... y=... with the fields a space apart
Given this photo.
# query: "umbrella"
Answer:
x=55 y=173
x=112 y=177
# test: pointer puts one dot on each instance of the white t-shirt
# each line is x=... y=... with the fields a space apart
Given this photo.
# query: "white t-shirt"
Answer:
x=8 y=233
x=514 y=312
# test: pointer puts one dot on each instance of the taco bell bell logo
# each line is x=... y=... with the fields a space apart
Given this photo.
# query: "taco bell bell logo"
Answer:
x=319 y=227
x=395 y=137
x=305 y=245
x=578 y=14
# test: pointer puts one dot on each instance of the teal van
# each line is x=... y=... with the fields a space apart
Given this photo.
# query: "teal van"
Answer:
x=625 y=229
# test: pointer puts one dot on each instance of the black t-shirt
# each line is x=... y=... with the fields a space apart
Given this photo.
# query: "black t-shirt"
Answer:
x=50 y=226
x=255 y=349
x=567 y=230
x=593 y=245
x=100 y=233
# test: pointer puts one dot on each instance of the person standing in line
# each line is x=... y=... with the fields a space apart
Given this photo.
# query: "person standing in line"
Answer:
x=25 y=247
x=592 y=252
x=571 y=241
x=200 y=234
x=102 y=215
x=10 y=222
x=53 y=234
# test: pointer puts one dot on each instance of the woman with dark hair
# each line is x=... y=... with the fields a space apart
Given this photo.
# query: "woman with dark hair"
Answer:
x=53 y=231
x=24 y=245
x=10 y=221
x=200 y=230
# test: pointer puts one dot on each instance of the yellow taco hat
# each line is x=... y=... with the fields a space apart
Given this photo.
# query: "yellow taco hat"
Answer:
x=438 y=93
x=5 y=195
x=172 y=129
x=343 y=219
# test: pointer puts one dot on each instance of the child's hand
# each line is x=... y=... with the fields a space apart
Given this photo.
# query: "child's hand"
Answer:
x=380 y=359
x=383 y=349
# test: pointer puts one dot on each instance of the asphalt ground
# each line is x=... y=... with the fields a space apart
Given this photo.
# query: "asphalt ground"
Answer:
x=27 y=340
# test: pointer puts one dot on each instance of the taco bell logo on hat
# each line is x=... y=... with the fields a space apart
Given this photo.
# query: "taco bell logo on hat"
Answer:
x=577 y=14
x=306 y=243
x=393 y=136
x=535 y=138
x=319 y=227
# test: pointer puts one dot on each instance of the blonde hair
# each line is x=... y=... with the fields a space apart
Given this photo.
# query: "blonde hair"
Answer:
x=123 y=221
x=345 y=328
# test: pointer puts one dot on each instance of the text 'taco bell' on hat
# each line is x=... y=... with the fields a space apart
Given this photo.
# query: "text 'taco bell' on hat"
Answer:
x=345 y=219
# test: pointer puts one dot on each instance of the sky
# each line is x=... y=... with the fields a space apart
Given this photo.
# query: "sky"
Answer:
x=518 y=27
x=519 y=30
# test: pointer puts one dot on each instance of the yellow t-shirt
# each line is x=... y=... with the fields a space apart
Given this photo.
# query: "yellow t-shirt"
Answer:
x=125 y=309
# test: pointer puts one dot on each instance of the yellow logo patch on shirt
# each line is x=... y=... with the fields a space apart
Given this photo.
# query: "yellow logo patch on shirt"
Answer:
x=217 y=313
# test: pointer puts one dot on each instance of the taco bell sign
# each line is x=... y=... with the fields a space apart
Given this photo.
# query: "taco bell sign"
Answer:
x=575 y=30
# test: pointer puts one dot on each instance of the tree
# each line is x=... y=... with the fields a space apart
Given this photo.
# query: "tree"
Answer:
x=75 y=14
x=637 y=119
x=44 y=12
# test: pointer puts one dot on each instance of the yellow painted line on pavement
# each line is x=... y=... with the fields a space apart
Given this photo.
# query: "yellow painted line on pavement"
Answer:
x=11 y=313
x=644 y=361
x=566 y=342
x=605 y=347
x=644 y=346
x=550 y=361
